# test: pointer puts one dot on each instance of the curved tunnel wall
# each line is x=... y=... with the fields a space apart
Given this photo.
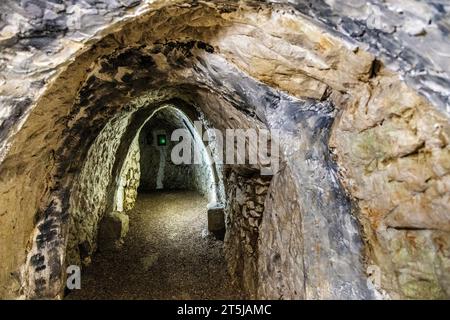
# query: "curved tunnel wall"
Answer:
x=239 y=63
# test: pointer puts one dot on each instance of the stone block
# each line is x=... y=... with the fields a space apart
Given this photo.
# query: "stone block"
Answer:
x=112 y=231
x=216 y=220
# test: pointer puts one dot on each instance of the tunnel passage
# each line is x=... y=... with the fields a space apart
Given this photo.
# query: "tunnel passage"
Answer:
x=129 y=149
x=363 y=175
x=157 y=244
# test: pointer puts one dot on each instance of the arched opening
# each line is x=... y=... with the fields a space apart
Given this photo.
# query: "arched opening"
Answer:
x=358 y=146
x=162 y=167
x=164 y=236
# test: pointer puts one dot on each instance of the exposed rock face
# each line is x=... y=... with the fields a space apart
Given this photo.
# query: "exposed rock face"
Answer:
x=365 y=162
x=410 y=36
x=395 y=152
x=323 y=235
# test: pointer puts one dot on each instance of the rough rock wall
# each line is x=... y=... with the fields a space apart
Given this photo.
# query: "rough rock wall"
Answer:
x=274 y=45
x=285 y=247
x=37 y=37
x=394 y=153
x=409 y=36
x=315 y=229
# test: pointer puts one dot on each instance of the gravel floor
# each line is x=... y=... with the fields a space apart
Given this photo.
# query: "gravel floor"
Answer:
x=166 y=255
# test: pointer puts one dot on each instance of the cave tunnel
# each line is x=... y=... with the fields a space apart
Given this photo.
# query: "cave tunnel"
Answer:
x=348 y=198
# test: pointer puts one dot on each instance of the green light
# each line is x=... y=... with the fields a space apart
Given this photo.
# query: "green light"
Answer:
x=162 y=140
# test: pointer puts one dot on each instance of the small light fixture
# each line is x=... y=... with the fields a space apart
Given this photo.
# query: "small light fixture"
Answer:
x=162 y=140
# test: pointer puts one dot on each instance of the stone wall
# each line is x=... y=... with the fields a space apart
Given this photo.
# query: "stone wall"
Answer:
x=130 y=178
x=245 y=194
x=89 y=196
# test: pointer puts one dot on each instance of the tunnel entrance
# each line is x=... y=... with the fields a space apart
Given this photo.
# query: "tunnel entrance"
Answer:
x=162 y=241
x=164 y=165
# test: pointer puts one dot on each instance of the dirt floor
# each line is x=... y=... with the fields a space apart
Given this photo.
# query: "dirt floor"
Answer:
x=166 y=255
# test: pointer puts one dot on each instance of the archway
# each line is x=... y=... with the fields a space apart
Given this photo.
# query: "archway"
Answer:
x=160 y=242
